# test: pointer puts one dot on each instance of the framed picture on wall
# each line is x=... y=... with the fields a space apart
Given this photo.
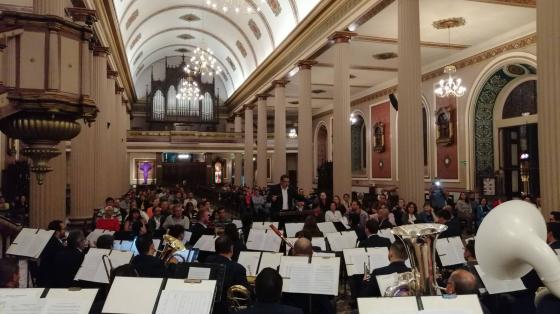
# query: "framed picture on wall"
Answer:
x=489 y=186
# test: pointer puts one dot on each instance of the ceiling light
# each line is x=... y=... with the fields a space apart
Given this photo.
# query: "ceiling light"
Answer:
x=203 y=62
x=184 y=156
x=237 y=6
x=189 y=90
x=452 y=85
x=292 y=134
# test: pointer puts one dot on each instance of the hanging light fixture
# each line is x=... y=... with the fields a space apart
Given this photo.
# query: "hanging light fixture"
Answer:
x=452 y=85
x=203 y=62
x=235 y=6
x=189 y=90
x=292 y=134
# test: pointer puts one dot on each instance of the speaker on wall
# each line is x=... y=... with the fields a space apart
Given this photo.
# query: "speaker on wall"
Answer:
x=394 y=101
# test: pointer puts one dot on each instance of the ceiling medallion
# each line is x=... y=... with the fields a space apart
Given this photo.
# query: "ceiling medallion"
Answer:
x=182 y=50
x=190 y=17
x=235 y=6
x=450 y=87
x=185 y=36
x=449 y=23
x=385 y=56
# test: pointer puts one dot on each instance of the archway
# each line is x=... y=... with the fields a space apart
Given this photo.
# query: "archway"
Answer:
x=321 y=145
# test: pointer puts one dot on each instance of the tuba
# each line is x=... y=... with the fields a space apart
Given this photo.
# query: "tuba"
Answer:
x=172 y=246
x=238 y=298
x=420 y=243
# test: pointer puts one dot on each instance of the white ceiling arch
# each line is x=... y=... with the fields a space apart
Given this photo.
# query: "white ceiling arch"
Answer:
x=152 y=30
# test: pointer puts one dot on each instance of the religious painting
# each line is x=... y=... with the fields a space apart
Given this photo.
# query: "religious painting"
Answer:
x=230 y=62
x=444 y=126
x=131 y=19
x=241 y=49
x=379 y=137
x=255 y=29
x=145 y=171
x=274 y=6
x=218 y=173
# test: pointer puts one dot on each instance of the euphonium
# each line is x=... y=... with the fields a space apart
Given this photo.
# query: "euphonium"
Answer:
x=420 y=244
x=238 y=297
x=172 y=246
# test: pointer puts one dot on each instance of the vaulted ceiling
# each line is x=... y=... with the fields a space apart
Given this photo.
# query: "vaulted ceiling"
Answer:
x=152 y=30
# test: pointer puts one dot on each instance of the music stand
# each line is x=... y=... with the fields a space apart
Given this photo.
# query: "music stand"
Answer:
x=217 y=272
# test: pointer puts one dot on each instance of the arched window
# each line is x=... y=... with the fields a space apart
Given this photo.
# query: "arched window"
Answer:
x=182 y=104
x=207 y=107
x=358 y=144
x=322 y=136
x=158 y=106
x=521 y=101
x=171 y=101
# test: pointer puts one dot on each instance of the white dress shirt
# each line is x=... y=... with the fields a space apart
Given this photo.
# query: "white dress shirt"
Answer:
x=284 y=198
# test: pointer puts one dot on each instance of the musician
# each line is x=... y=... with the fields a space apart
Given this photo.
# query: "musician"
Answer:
x=453 y=228
x=145 y=263
x=553 y=235
x=231 y=231
x=105 y=241
x=374 y=240
x=281 y=197
x=9 y=273
x=397 y=259
x=202 y=226
x=268 y=288
x=308 y=303
x=463 y=282
x=310 y=225
x=235 y=272
x=68 y=260
x=55 y=245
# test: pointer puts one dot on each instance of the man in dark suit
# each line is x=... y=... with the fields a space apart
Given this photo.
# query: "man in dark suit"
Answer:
x=55 y=245
x=201 y=227
x=397 y=258
x=373 y=240
x=453 y=227
x=553 y=235
x=235 y=272
x=145 y=263
x=281 y=197
x=268 y=288
x=68 y=260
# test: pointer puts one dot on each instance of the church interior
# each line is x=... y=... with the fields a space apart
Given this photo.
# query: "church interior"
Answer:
x=280 y=156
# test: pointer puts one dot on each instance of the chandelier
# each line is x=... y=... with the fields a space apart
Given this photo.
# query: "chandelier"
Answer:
x=203 y=62
x=236 y=6
x=189 y=90
x=292 y=133
x=452 y=85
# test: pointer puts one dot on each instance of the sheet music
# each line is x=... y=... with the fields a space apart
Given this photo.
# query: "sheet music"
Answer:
x=30 y=242
x=69 y=301
x=327 y=227
x=237 y=223
x=180 y=284
x=386 y=281
x=318 y=277
x=249 y=260
x=292 y=228
x=320 y=242
x=188 y=298
x=495 y=286
x=206 y=243
x=400 y=305
x=386 y=233
x=372 y=257
x=22 y=306
x=143 y=291
x=95 y=234
x=324 y=254
x=270 y=260
x=15 y=293
x=342 y=240
x=93 y=269
x=202 y=273
x=187 y=237
x=461 y=304
x=263 y=240
x=264 y=225
x=450 y=251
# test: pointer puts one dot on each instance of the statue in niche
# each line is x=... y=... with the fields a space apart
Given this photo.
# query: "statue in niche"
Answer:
x=379 y=137
x=145 y=167
x=444 y=125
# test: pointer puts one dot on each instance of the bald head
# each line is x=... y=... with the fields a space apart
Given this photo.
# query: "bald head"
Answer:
x=303 y=247
x=461 y=282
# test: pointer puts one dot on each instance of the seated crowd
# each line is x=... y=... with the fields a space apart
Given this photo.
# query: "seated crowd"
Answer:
x=147 y=214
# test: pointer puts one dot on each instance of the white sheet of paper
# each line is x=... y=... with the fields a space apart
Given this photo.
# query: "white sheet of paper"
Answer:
x=386 y=233
x=22 y=306
x=180 y=284
x=185 y=302
x=461 y=304
x=264 y=225
x=237 y=223
x=14 y=293
x=450 y=251
x=448 y=311
x=378 y=257
x=400 y=305
x=342 y=240
x=93 y=269
x=327 y=227
x=249 y=260
x=324 y=254
x=143 y=291
x=202 y=273
x=263 y=240
x=206 y=243
x=270 y=260
x=60 y=300
x=30 y=242
x=318 y=277
x=354 y=259
x=320 y=242
x=386 y=281
x=292 y=228
x=95 y=234
x=495 y=286
x=187 y=236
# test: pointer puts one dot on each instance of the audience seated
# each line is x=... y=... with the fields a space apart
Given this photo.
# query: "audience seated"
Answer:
x=9 y=273
x=68 y=260
x=155 y=223
x=397 y=259
x=411 y=214
x=108 y=221
x=135 y=223
x=427 y=215
x=310 y=226
x=384 y=218
x=333 y=214
x=145 y=263
x=177 y=218
x=55 y=245
x=201 y=227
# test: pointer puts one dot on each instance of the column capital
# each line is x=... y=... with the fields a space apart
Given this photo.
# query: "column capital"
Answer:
x=342 y=37
x=101 y=51
x=83 y=15
x=248 y=106
x=279 y=83
x=263 y=96
x=306 y=64
x=118 y=89
x=112 y=74
x=238 y=114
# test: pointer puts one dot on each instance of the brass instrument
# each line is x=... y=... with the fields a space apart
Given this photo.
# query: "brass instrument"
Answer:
x=420 y=243
x=172 y=246
x=238 y=297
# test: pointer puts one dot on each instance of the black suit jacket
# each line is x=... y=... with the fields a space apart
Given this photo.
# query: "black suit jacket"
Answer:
x=371 y=289
x=271 y=308
x=276 y=190
x=375 y=241
x=46 y=266
x=453 y=229
x=198 y=230
x=309 y=303
x=149 y=266
x=385 y=224
x=66 y=265
x=235 y=275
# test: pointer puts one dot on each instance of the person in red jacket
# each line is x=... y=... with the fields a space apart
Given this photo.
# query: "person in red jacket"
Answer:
x=108 y=221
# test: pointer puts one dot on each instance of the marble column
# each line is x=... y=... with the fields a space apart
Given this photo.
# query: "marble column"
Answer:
x=99 y=90
x=48 y=201
x=249 y=172
x=49 y=7
x=279 y=157
x=410 y=139
x=238 y=156
x=109 y=151
x=305 y=132
x=262 y=139
x=548 y=93
x=342 y=167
